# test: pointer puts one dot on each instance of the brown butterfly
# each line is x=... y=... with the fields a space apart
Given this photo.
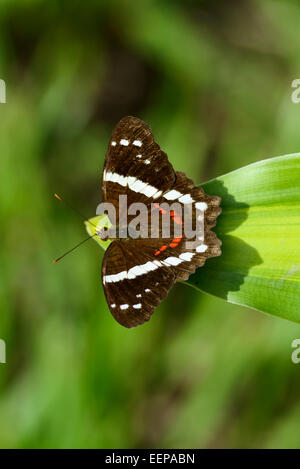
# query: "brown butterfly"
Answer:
x=137 y=274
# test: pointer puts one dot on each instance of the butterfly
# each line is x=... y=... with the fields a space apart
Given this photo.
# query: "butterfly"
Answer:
x=138 y=273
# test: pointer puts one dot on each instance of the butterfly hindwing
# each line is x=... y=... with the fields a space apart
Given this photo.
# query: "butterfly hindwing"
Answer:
x=135 y=165
x=133 y=284
x=135 y=280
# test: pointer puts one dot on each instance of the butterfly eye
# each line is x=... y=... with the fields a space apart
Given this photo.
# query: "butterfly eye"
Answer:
x=103 y=233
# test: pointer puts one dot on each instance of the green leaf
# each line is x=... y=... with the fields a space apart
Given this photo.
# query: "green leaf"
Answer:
x=260 y=231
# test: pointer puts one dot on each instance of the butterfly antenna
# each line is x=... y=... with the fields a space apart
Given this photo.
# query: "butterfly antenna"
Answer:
x=75 y=247
x=74 y=210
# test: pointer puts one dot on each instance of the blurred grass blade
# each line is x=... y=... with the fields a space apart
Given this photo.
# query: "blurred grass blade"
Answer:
x=260 y=230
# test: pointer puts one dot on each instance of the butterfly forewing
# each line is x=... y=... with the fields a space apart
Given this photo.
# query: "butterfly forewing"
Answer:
x=135 y=165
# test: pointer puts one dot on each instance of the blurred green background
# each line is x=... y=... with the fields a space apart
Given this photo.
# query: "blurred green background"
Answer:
x=213 y=79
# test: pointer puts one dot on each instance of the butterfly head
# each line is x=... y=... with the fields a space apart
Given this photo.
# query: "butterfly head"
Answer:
x=103 y=233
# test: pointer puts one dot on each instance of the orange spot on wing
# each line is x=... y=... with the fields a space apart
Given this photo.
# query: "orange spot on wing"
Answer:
x=161 y=210
x=177 y=220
